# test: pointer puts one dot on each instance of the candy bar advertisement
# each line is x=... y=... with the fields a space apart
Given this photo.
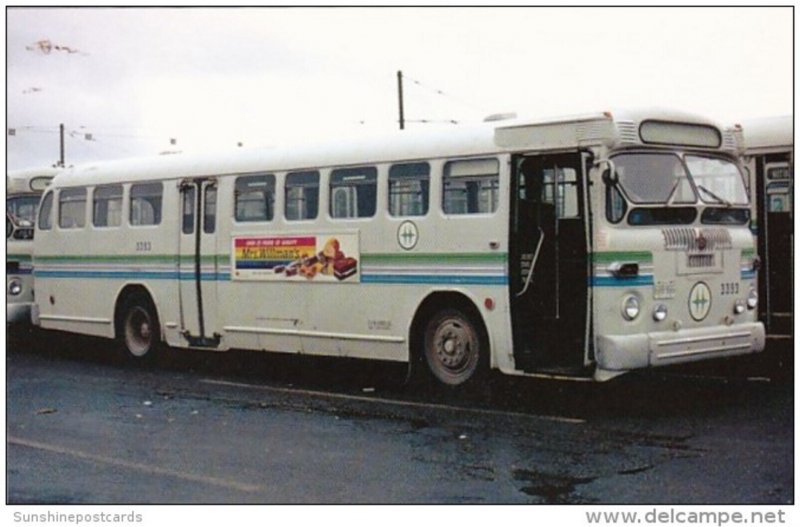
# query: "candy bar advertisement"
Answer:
x=327 y=258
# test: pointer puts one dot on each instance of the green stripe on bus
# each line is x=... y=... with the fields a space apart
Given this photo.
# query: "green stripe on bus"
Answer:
x=614 y=256
x=138 y=258
x=433 y=258
x=19 y=257
x=748 y=253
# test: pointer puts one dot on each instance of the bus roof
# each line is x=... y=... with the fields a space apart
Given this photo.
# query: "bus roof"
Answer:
x=486 y=138
x=29 y=179
x=768 y=133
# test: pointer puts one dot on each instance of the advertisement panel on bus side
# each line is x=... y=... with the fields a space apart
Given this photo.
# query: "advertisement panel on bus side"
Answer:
x=326 y=258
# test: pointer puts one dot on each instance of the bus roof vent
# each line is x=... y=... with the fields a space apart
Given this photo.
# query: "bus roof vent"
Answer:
x=732 y=139
x=628 y=132
x=500 y=117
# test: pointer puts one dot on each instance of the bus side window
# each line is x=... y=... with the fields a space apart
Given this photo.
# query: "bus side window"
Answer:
x=302 y=195
x=146 y=204
x=254 y=198
x=107 y=206
x=187 y=214
x=616 y=206
x=210 y=210
x=46 y=213
x=471 y=186
x=409 y=187
x=72 y=208
x=354 y=192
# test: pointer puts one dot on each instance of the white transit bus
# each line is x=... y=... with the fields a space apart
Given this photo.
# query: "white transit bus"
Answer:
x=583 y=246
x=23 y=190
x=769 y=163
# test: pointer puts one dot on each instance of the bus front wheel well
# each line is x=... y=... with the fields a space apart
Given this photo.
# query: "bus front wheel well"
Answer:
x=460 y=313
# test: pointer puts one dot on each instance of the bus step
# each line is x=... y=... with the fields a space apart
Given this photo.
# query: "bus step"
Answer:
x=203 y=342
x=562 y=371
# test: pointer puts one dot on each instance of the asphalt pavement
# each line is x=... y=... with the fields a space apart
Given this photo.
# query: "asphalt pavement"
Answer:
x=238 y=428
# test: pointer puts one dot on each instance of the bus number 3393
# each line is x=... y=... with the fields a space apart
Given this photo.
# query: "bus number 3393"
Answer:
x=729 y=288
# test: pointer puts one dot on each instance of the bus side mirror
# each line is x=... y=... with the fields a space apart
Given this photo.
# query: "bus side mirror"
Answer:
x=610 y=178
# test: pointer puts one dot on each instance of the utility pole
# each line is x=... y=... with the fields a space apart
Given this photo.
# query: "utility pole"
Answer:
x=400 y=97
x=61 y=143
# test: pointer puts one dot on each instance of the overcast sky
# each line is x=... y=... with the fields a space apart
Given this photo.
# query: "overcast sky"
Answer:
x=210 y=78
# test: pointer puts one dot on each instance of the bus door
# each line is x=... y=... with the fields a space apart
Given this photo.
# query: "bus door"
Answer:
x=777 y=229
x=548 y=262
x=198 y=266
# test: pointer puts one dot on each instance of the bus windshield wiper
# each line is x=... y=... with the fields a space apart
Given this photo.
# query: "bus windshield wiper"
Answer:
x=714 y=196
x=672 y=192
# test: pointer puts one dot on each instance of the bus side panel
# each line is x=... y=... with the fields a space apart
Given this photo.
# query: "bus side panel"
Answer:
x=82 y=272
x=368 y=314
x=69 y=294
x=252 y=314
x=455 y=253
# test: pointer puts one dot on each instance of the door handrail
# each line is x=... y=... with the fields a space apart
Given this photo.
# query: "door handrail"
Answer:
x=533 y=263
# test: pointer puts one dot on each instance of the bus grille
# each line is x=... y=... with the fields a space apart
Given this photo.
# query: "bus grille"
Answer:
x=700 y=260
x=689 y=239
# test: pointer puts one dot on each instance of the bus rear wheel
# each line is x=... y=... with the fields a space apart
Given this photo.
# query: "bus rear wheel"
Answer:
x=453 y=346
x=140 y=330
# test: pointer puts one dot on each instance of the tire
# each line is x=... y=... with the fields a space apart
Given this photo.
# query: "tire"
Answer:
x=454 y=348
x=139 y=328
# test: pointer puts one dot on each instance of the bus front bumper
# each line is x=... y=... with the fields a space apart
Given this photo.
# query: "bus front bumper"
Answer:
x=619 y=353
x=19 y=313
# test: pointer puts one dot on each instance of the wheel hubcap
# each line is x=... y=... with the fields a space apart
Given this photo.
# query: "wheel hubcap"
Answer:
x=138 y=333
x=453 y=343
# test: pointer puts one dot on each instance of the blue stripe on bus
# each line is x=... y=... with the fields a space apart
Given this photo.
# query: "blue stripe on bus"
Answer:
x=132 y=275
x=748 y=275
x=271 y=264
x=612 y=281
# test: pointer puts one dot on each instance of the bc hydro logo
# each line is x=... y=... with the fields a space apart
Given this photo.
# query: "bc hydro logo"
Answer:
x=700 y=301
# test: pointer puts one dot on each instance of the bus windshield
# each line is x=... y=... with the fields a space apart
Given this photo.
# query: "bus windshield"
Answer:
x=654 y=178
x=718 y=181
x=667 y=179
x=23 y=209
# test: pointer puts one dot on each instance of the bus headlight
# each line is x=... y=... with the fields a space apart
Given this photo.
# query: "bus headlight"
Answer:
x=752 y=298
x=14 y=287
x=738 y=307
x=630 y=307
x=660 y=313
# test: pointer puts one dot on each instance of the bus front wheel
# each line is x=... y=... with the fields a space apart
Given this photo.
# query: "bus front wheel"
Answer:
x=140 y=328
x=453 y=347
